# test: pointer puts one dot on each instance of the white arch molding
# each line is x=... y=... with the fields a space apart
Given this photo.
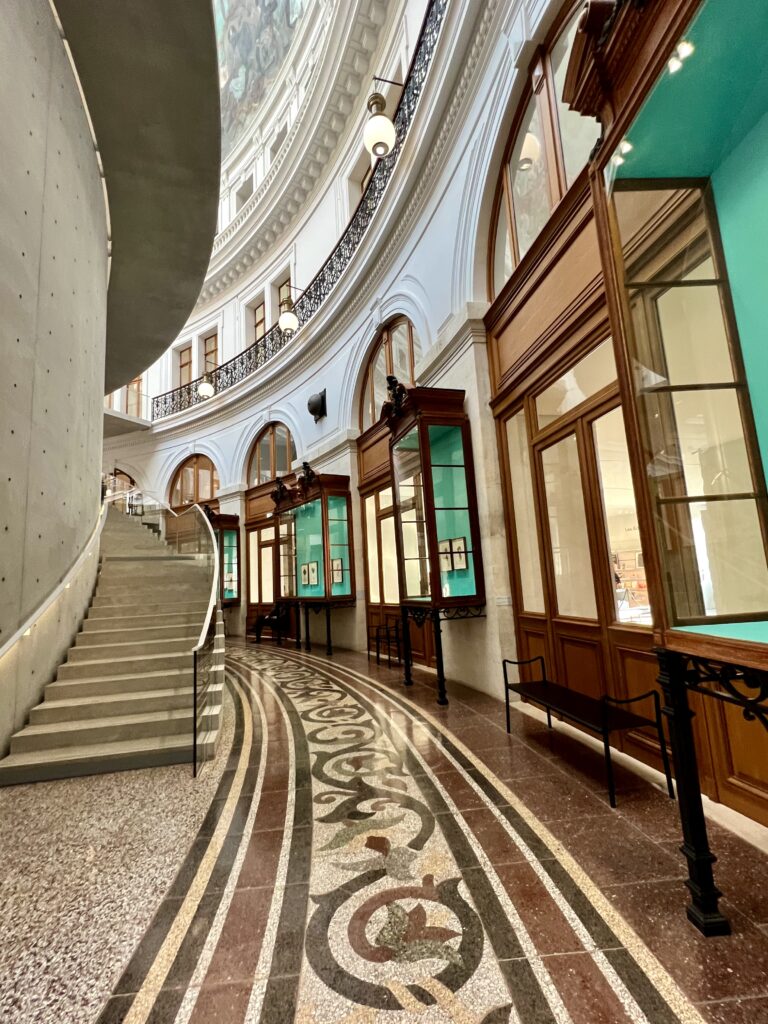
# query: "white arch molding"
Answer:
x=175 y=458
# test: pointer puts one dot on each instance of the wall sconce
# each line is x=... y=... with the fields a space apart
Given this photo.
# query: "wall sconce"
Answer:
x=288 y=322
x=316 y=405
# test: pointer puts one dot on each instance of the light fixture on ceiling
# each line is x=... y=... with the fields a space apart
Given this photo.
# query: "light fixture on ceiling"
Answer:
x=205 y=388
x=379 y=135
x=683 y=51
x=288 y=322
x=530 y=152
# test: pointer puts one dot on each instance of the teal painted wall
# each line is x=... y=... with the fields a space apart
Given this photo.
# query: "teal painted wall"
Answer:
x=740 y=186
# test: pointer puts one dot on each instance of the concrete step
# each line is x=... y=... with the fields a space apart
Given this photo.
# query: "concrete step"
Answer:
x=102 y=609
x=66 y=762
x=151 y=575
x=94 y=686
x=141 y=592
x=130 y=649
x=186 y=631
x=137 y=664
x=108 y=620
x=95 y=731
x=103 y=705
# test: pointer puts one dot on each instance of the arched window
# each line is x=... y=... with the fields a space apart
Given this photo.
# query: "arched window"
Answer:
x=396 y=352
x=549 y=146
x=196 y=480
x=272 y=454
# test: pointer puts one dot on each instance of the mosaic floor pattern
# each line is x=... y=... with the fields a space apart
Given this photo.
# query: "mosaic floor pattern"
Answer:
x=357 y=865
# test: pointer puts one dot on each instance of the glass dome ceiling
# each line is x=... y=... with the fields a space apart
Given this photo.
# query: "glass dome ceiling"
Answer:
x=253 y=37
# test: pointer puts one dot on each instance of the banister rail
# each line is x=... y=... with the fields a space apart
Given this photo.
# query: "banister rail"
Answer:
x=257 y=355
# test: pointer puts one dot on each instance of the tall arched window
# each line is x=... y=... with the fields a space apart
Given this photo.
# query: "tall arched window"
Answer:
x=548 y=147
x=272 y=454
x=396 y=352
x=196 y=480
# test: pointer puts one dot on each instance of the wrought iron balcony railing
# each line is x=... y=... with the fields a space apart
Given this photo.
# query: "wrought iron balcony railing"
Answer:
x=257 y=355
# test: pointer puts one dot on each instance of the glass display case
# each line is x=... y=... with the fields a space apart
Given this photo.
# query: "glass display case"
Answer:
x=438 y=537
x=227 y=530
x=316 y=563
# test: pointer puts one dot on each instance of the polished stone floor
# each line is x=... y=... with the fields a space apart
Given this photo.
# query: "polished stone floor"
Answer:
x=366 y=856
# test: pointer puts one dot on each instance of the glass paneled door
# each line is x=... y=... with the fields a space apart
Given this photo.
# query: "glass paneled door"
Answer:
x=581 y=596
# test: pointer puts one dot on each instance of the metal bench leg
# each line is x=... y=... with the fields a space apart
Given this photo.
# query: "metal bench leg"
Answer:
x=506 y=697
x=609 y=769
x=549 y=718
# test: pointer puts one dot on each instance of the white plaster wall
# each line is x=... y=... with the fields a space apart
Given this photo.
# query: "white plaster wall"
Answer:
x=53 y=285
x=425 y=257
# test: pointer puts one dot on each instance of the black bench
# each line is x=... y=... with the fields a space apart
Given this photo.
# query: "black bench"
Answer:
x=387 y=636
x=278 y=620
x=602 y=715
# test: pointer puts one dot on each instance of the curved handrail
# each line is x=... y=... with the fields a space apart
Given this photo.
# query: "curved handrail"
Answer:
x=66 y=580
x=213 y=598
x=255 y=356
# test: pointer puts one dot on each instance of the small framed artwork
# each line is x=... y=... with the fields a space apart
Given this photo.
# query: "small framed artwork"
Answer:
x=305 y=574
x=446 y=560
x=459 y=552
x=337 y=568
x=313 y=574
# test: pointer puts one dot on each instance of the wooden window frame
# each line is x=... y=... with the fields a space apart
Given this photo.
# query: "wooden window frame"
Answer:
x=212 y=350
x=195 y=461
x=254 y=479
x=259 y=320
x=380 y=516
x=284 y=291
x=541 y=87
x=384 y=341
x=184 y=361
x=133 y=392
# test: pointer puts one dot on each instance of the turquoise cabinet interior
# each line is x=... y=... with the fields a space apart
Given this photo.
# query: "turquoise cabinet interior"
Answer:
x=411 y=507
x=310 y=563
x=338 y=545
x=230 y=567
x=452 y=517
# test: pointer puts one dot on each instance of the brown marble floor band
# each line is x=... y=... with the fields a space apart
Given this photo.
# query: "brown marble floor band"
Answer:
x=635 y=969
x=153 y=985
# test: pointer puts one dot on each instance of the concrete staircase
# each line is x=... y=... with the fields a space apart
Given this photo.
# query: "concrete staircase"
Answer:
x=124 y=696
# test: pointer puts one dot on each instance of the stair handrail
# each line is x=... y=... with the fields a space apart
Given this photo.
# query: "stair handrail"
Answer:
x=213 y=598
x=66 y=580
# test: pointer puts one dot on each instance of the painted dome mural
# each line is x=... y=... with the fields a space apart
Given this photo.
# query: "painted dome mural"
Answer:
x=254 y=37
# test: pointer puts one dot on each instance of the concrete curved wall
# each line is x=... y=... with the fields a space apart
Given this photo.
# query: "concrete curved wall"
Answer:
x=53 y=297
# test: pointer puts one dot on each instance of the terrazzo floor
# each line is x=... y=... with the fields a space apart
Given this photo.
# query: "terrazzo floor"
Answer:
x=357 y=854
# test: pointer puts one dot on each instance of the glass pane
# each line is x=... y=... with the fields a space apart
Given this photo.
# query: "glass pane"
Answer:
x=452 y=521
x=693 y=338
x=176 y=493
x=379 y=383
x=416 y=345
x=568 y=530
x=282 y=464
x=372 y=550
x=265 y=458
x=187 y=484
x=526 y=532
x=578 y=134
x=268 y=534
x=385 y=498
x=591 y=374
x=529 y=175
x=410 y=498
x=230 y=582
x=389 y=561
x=287 y=556
x=204 y=483
x=724 y=543
x=401 y=357
x=711 y=441
x=502 y=254
x=446 y=446
x=268 y=574
x=253 y=567
x=627 y=564
x=309 y=550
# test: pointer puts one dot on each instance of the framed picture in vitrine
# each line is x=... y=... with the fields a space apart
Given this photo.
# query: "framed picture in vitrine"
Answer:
x=337 y=570
x=305 y=574
x=459 y=552
x=313 y=574
x=446 y=559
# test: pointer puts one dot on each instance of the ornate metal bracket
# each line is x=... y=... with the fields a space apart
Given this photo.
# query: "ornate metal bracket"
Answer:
x=463 y=612
x=746 y=688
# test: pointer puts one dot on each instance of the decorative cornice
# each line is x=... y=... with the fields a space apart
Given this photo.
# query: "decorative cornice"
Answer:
x=292 y=360
x=266 y=225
